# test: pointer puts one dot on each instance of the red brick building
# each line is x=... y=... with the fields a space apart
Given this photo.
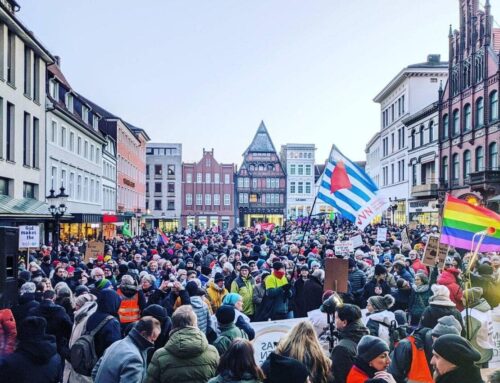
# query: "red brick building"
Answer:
x=469 y=131
x=208 y=194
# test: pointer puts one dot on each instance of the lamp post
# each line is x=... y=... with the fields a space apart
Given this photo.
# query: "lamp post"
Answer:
x=57 y=209
x=393 y=207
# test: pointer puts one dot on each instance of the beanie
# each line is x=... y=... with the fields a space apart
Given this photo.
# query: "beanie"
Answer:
x=369 y=347
x=32 y=327
x=123 y=268
x=25 y=275
x=231 y=299
x=218 y=277
x=456 y=350
x=157 y=312
x=380 y=303
x=473 y=295
x=192 y=288
x=81 y=289
x=447 y=325
x=103 y=284
x=380 y=269
x=284 y=369
x=441 y=296
x=225 y=314
x=278 y=265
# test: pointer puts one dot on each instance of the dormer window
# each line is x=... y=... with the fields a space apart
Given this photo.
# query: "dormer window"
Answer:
x=69 y=101
x=85 y=114
x=95 y=122
x=54 y=89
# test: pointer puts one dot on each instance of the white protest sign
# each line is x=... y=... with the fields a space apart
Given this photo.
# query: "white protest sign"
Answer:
x=29 y=237
x=344 y=247
x=382 y=234
x=268 y=334
x=357 y=241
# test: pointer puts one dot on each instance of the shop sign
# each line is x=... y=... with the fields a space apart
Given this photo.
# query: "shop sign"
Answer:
x=29 y=237
x=422 y=206
x=129 y=183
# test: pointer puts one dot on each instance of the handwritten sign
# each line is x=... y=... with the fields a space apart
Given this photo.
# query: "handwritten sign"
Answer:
x=382 y=234
x=29 y=237
x=357 y=241
x=405 y=241
x=431 y=250
x=94 y=248
x=344 y=247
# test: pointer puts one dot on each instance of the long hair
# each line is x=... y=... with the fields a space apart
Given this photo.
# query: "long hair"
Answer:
x=302 y=344
x=238 y=360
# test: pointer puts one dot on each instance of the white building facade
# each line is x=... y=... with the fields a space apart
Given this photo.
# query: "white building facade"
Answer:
x=372 y=150
x=413 y=88
x=298 y=160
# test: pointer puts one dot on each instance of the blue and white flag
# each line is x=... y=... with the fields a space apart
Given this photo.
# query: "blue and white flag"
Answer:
x=347 y=188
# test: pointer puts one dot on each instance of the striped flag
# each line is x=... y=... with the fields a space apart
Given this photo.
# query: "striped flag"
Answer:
x=162 y=236
x=347 y=188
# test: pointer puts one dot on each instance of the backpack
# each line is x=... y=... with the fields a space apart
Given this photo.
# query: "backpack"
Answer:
x=82 y=353
x=396 y=333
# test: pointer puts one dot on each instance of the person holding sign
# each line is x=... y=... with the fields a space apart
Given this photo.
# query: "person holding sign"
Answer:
x=279 y=291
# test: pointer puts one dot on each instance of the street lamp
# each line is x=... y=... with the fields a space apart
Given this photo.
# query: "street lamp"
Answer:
x=57 y=209
x=393 y=207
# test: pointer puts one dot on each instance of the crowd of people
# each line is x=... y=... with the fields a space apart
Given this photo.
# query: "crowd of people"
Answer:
x=181 y=309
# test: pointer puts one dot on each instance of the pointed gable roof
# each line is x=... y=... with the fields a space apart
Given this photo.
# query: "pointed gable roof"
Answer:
x=261 y=142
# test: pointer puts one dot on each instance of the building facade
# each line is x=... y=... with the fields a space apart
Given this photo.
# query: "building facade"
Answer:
x=423 y=165
x=469 y=112
x=261 y=185
x=373 y=155
x=413 y=88
x=109 y=217
x=164 y=185
x=298 y=160
x=23 y=62
x=208 y=194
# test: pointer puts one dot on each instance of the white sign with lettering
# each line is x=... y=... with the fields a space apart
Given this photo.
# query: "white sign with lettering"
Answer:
x=29 y=237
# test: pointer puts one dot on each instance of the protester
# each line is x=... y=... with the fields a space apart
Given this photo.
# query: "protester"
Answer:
x=216 y=291
x=243 y=285
x=450 y=278
x=26 y=302
x=314 y=290
x=241 y=321
x=228 y=330
x=284 y=369
x=379 y=319
x=300 y=297
x=278 y=291
x=419 y=298
x=440 y=305
x=132 y=301
x=378 y=284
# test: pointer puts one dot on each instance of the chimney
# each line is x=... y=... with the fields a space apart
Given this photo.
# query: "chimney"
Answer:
x=58 y=60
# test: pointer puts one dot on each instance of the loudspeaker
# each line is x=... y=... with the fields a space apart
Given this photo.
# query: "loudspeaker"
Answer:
x=8 y=266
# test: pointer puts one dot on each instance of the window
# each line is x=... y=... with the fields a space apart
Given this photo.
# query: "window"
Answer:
x=79 y=187
x=308 y=188
x=35 y=143
x=26 y=139
x=62 y=138
x=493 y=106
x=71 y=185
x=28 y=190
x=92 y=152
x=308 y=170
x=208 y=177
x=300 y=169
x=95 y=122
x=198 y=178
x=86 y=149
x=300 y=188
x=292 y=170
x=170 y=204
x=392 y=173
x=246 y=182
x=227 y=199
x=157 y=187
x=158 y=170
x=467 y=163
x=10 y=132
x=456 y=123
x=199 y=200
x=79 y=146
x=189 y=199
x=4 y=186
x=421 y=133
x=147 y=187
x=431 y=131
x=208 y=199
x=11 y=58
x=413 y=174
x=36 y=79
x=493 y=156
x=72 y=141
x=446 y=126
x=97 y=155
x=413 y=138
x=170 y=170
x=85 y=114
x=27 y=71
x=227 y=179
x=157 y=204
x=216 y=199
x=467 y=118
x=189 y=178
x=479 y=112
x=479 y=159
x=292 y=187
x=216 y=178
x=171 y=187
x=92 y=190
x=392 y=143
x=85 y=189
x=69 y=101
x=455 y=167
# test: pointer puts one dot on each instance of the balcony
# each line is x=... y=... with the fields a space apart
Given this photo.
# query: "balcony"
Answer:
x=485 y=181
x=429 y=189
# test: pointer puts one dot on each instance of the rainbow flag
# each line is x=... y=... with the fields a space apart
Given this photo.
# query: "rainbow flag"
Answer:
x=461 y=221
x=162 y=236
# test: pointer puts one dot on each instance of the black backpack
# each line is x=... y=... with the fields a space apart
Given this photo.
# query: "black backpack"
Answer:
x=82 y=353
x=396 y=333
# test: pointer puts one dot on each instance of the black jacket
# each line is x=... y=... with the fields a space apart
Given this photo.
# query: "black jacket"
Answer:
x=26 y=303
x=432 y=313
x=300 y=299
x=370 y=287
x=313 y=290
x=463 y=374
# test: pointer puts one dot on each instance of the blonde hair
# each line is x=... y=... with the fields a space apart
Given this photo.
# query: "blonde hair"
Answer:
x=302 y=344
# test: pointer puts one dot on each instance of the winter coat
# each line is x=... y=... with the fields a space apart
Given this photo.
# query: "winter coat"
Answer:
x=374 y=287
x=34 y=361
x=227 y=377
x=490 y=288
x=26 y=303
x=124 y=360
x=401 y=297
x=300 y=299
x=215 y=295
x=462 y=374
x=244 y=287
x=279 y=294
x=187 y=357
x=357 y=279
x=8 y=332
x=378 y=324
x=200 y=308
x=58 y=324
x=108 y=303
x=480 y=329
x=448 y=278
x=228 y=333
x=344 y=352
x=419 y=300
x=313 y=290
x=432 y=313
x=417 y=266
x=243 y=323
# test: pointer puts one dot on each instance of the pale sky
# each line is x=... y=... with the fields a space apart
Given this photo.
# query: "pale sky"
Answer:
x=206 y=72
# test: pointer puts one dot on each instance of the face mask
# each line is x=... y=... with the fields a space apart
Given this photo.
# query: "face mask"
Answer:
x=279 y=274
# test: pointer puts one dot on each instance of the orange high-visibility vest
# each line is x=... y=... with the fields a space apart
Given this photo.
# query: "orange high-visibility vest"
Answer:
x=129 y=311
x=356 y=376
x=419 y=370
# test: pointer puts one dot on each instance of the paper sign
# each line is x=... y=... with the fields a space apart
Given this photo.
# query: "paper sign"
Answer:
x=94 y=248
x=357 y=241
x=443 y=253
x=404 y=237
x=382 y=234
x=431 y=250
x=344 y=247
x=29 y=237
x=336 y=271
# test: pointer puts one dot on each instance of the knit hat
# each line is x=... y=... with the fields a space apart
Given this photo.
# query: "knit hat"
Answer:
x=284 y=369
x=352 y=263
x=157 y=312
x=129 y=282
x=231 y=299
x=369 y=347
x=441 y=296
x=244 y=266
x=380 y=269
x=278 y=265
x=122 y=268
x=225 y=314
x=81 y=289
x=192 y=288
x=32 y=327
x=218 y=277
x=447 y=325
x=380 y=303
x=456 y=350
x=25 y=275
x=472 y=295
x=103 y=284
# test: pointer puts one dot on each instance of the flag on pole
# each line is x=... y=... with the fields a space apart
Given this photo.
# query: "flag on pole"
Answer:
x=162 y=236
x=347 y=188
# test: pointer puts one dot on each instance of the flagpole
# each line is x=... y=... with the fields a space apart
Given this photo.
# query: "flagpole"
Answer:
x=308 y=220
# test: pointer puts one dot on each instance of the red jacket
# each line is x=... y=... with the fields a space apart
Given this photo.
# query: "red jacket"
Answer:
x=356 y=375
x=448 y=278
x=417 y=266
x=8 y=332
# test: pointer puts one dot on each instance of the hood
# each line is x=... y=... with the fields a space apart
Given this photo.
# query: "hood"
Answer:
x=447 y=278
x=482 y=305
x=39 y=351
x=212 y=285
x=186 y=342
x=196 y=302
x=108 y=302
x=87 y=309
x=354 y=331
x=383 y=316
x=129 y=292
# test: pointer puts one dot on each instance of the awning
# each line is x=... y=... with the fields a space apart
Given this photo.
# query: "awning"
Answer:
x=23 y=207
x=86 y=218
x=109 y=218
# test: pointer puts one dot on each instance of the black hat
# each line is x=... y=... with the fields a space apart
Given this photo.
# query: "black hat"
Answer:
x=32 y=327
x=123 y=268
x=157 y=312
x=284 y=369
x=25 y=276
x=304 y=267
x=225 y=314
x=278 y=265
x=192 y=288
x=218 y=277
x=352 y=263
x=369 y=347
x=380 y=269
x=81 y=289
x=456 y=350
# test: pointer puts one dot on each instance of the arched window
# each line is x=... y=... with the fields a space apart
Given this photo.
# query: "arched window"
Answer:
x=467 y=118
x=456 y=123
x=413 y=138
x=446 y=126
x=479 y=112
x=493 y=153
x=444 y=168
x=479 y=159
x=467 y=163
x=431 y=131
x=421 y=133
x=455 y=167
x=493 y=106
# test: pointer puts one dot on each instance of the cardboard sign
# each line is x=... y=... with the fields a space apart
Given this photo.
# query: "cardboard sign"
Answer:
x=431 y=251
x=357 y=241
x=94 y=248
x=382 y=234
x=29 y=237
x=268 y=334
x=404 y=237
x=336 y=272
x=443 y=253
x=344 y=247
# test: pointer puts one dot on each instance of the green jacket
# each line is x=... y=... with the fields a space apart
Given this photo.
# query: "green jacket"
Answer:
x=187 y=357
x=228 y=333
x=244 y=287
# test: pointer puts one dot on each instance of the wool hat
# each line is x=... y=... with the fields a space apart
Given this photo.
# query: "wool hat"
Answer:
x=157 y=312
x=218 y=277
x=447 y=325
x=192 y=288
x=32 y=327
x=284 y=369
x=456 y=349
x=380 y=303
x=25 y=275
x=369 y=347
x=441 y=296
x=380 y=269
x=473 y=295
x=278 y=265
x=81 y=289
x=352 y=263
x=225 y=314
x=103 y=284
x=244 y=266
x=231 y=299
